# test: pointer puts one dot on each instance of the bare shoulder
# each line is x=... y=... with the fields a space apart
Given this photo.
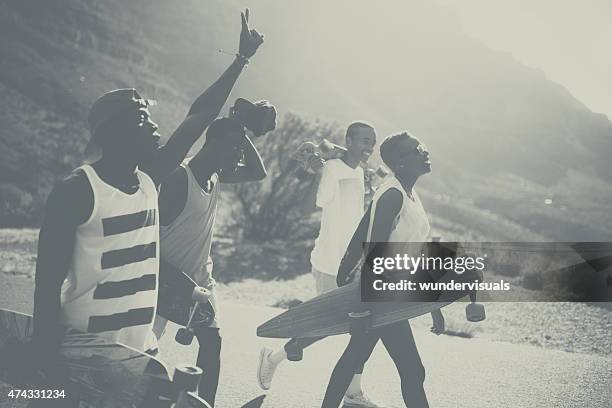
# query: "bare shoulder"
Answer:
x=172 y=195
x=174 y=183
x=71 y=199
x=392 y=195
x=390 y=201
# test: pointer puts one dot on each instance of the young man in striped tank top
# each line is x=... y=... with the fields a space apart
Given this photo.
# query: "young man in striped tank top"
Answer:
x=98 y=248
x=188 y=206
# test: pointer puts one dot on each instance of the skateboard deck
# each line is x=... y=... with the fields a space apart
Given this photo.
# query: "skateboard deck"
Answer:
x=174 y=300
x=327 y=314
x=308 y=151
x=102 y=374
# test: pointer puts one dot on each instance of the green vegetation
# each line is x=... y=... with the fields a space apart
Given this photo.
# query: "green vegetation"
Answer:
x=504 y=139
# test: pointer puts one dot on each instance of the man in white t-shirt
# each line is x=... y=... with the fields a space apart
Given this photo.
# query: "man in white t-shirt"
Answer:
x=338 y=189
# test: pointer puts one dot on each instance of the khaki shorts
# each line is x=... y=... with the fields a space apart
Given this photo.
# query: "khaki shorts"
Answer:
x=324 y=282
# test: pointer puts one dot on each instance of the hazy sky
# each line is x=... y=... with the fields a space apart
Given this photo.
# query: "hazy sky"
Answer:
x=570 y=40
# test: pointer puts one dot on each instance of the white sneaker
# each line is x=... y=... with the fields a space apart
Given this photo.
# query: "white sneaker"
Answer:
x=265 y=369
x=360 y=400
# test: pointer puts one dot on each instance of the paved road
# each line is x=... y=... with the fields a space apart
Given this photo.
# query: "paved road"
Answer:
x=460 y=372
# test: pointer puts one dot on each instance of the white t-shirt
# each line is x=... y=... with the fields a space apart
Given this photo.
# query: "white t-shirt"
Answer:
x=341 y=195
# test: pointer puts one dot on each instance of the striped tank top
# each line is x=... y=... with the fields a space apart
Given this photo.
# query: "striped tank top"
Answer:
x=111 y=287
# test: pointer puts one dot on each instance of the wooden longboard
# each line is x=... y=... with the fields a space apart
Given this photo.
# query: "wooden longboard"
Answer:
x=327 y=314
x=174 y=304
x=103 y=374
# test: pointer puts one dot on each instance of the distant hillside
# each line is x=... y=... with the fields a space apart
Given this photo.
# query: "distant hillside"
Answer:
x=403 y=64
x=58 y=56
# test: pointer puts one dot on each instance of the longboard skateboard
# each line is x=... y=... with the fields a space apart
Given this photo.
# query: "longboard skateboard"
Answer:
x=103 y=374
x=308 y=151
x=328 y=314
x=175 y=304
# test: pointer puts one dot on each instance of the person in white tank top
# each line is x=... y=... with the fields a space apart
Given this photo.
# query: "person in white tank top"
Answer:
x=395 y=215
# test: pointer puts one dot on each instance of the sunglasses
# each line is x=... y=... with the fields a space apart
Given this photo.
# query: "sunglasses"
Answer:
x=139 y=104
x=142 y=118
x=421 y=149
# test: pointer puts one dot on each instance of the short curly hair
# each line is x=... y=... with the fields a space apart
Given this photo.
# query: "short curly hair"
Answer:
x=220 y=127
x=353 y=127
x=389 y=152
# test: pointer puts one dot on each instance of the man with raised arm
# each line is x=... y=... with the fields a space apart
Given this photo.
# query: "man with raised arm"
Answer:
x=188 y=207
x=98 y=248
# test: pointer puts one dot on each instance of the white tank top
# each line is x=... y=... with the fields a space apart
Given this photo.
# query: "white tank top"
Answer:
x=111 y=287
x=411 y=223
x=186 y=241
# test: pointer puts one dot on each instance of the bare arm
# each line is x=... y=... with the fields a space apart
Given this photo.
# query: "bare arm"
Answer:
x=254 y=169
x=69 y=204
x=203 y=111
x=387 y=209
x=172 y=196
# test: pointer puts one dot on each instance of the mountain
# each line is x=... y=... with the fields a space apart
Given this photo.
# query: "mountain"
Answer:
x=497 y=130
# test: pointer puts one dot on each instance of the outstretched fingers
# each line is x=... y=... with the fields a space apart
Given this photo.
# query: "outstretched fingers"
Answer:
x=245 y=20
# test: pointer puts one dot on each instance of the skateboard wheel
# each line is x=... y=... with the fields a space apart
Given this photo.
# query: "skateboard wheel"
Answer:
x=295 y=351
x=186 y=377
x=295 y=354
x=184 y=336
x=475 y=312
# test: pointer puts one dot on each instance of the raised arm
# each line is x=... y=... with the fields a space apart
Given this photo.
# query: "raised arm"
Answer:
x=252 y=170
x=69 y=204
x=204 y=109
